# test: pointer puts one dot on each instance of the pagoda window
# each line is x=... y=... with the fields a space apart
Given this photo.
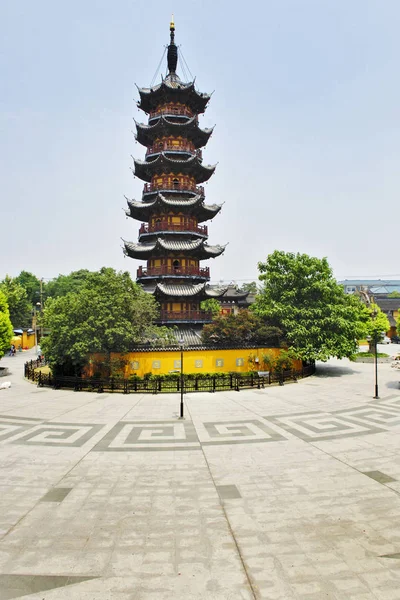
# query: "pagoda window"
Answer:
x=176 y=264
x=175 y=183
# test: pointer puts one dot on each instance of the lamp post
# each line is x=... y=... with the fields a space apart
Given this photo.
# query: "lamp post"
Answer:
x=375 y=336
x=181 y=342
x=36 y=308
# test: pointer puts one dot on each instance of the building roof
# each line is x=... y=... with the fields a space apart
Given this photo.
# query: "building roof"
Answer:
x=196 y=248
x=172 y=89
x=142 y=211
x=375 y=286
x=387 y=304
x=192 y=166
x=184 y=290
x=163 y=126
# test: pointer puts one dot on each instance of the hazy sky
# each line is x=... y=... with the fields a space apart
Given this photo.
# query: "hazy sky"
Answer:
x=306 y=107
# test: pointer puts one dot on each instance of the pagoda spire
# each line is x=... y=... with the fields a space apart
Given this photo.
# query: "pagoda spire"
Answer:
x=172 y=56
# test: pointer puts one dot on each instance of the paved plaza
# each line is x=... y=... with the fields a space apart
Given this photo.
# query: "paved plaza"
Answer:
x=285 y=493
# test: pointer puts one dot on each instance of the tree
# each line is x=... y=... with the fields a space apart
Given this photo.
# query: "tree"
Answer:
x=31 y=284
x=249 y=287
x=110 y=313
x=211 y=305
x=6 y=330
x=394 y=294
x=18 y=304
x=300 y=295
x=64 y=284
x=376 y=326
x=243 y=328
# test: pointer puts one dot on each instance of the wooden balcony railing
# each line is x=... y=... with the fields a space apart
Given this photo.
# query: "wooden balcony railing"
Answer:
x=186 y=315
x=168 y=147
x=193 y=271
x=158 y=227
x=173 y=187
x=176 y=111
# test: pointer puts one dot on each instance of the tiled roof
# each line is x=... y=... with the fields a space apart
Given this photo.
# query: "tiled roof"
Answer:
x=173 y=88
x=142 y=210
x=145 y=170
x=180 y=290
x=185 y=289
x=198 y=247
x=189 y=335
x=189 y=129
x=386 y=304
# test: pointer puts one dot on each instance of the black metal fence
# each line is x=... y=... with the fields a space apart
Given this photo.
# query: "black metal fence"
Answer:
x=156 y=385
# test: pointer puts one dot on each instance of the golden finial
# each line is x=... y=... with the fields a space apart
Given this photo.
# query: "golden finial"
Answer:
x=172 y=24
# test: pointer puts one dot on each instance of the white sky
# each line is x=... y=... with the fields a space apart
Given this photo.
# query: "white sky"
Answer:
x=306 y=107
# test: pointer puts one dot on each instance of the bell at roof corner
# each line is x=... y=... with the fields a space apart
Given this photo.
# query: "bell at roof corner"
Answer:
x=173 y=239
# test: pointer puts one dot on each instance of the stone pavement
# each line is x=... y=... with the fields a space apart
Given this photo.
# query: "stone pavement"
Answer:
x=284 y=493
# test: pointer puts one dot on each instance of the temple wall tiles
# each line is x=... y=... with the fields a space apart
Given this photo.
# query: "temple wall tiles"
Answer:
x=194 y=361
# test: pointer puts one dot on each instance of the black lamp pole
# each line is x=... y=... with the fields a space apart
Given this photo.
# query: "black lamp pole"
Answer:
x=181 y=408
x=376 y=368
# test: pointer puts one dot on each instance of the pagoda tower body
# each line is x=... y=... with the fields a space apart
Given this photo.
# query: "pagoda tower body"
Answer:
x=172 y=237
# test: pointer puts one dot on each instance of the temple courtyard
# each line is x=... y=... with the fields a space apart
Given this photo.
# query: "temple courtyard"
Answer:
x=284 y=493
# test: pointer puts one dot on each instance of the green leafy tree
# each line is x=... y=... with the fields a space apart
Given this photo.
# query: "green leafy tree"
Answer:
x=6 y=330
x=245 y=327
x=300 y=295
x=394 y=294
x=64 y=284
x=377 y=325
x=211 y=305
x=31 y=284
x=249 y=287
x=110 y=313
x=18 y=304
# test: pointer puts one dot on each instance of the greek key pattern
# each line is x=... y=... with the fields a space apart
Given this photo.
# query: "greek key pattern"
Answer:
x=132 y=436
x=128 y=436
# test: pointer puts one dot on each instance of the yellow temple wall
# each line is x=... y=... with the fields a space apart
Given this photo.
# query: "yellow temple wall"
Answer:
x=159 y=362
x=25 y=341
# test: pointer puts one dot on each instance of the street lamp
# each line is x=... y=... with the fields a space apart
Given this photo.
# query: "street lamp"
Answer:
x=36 y=308
x=375 y=336
x=181 y=342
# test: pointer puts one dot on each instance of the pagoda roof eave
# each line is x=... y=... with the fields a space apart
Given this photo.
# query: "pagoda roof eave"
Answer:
x=193 y=166
x=196 y=248
x=174 y=90
x=146 y=134
x=184 y=290
x=143 y=210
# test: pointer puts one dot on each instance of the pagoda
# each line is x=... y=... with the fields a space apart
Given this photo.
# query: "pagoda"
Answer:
x=172 y=237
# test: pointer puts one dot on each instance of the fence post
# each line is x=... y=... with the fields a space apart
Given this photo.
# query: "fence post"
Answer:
x=237 y=388
x=125 y=386
x=252 y=380
x=40 y=379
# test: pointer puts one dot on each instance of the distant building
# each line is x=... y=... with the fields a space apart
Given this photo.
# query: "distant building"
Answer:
x=372 y=286
x=377 y=291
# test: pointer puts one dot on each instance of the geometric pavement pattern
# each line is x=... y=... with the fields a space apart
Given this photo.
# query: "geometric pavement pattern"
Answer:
x=131 y=436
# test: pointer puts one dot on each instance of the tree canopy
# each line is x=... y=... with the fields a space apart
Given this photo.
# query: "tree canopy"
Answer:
x=64 y=284
x=6 y=330
x=19 y=307
x=109 y=313
x=300 y=295
x=31 y=284
x=378 y=323
x=249 y=287
x=244 y=327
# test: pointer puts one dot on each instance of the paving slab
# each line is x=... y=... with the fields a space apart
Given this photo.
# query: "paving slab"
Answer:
x=284 y=493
